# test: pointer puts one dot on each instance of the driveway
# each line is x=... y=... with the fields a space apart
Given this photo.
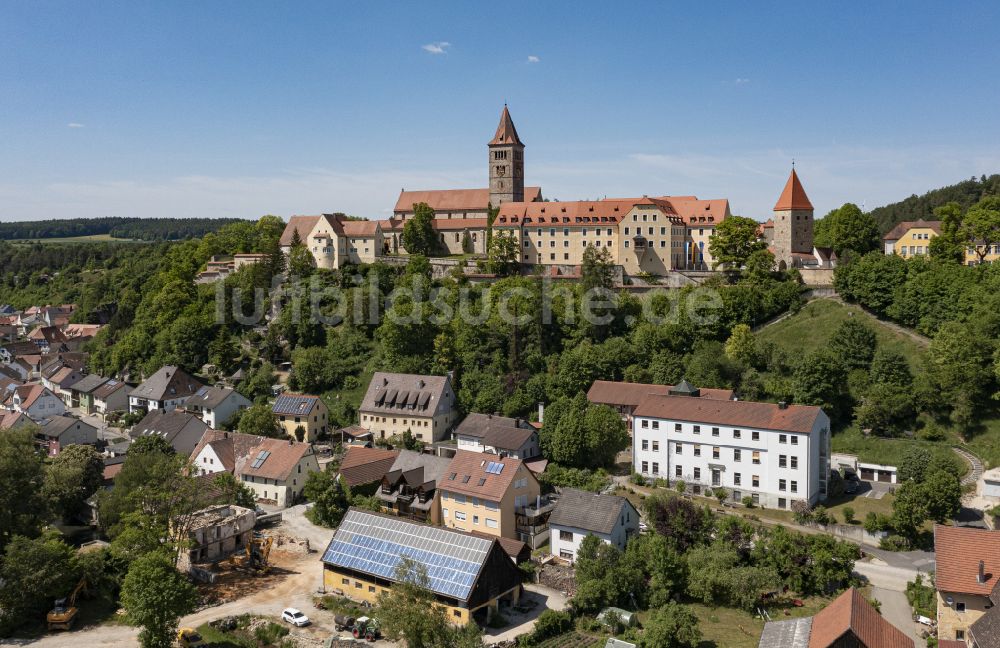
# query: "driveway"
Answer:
x=543 y=598
x=896 y=610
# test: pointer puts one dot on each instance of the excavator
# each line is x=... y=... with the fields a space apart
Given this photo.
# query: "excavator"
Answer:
x=255 y=556
x=64 y=612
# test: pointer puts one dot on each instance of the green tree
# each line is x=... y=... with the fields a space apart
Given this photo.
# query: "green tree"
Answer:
x=888 y=410
x=909 y=509
x=418 y=232
x=233 y=491
x=942 y=493
x=671 y=626
x=597 y=269
x=890 y=368
x=72 y=476
x=742 y=346
x=300 y=260
x=409 y=613
x=329 y=497
x=914 y=464
x=34 y=571
x=981 y=226
x=848 y=228
x=260 y=420
x=734 y=240
x=22 y=505
x=819 y=380
x=949 y=245
x=854 y=343
x=155 y=596
x=958 y=366
x=503 y=254
x=760 y=266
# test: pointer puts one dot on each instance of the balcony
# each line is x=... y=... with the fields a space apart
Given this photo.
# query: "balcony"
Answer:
x=536 y=508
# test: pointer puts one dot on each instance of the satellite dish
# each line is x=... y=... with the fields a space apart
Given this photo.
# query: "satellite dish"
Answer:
x=949 y=600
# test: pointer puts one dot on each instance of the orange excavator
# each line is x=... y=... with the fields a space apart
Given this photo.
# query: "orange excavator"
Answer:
x=64 y=612
x=256 y=554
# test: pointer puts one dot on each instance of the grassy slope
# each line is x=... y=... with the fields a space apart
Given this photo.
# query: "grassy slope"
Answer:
x=812 y=328
x=92 y=238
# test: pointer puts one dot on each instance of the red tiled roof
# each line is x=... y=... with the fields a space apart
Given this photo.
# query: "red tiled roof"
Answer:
x=447 y=224
x=304 y=224
x=764 y=416
x=903 y=227
x=793 y=196
x=850 y=612
x=365 y=465
x=951 y=643
x=359 y=228
x=455 y=199
x=472 y=465
x=283 y=457
x=609 y=392
x=958 y=551
x=506 y=133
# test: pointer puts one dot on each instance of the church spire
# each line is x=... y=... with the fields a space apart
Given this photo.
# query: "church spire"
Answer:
x=506 y=133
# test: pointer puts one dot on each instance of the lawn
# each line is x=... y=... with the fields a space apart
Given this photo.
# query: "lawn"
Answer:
x=812 y=327
x=891 y=451
x=92 y=238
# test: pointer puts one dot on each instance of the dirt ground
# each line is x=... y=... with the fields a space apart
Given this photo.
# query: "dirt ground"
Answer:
x=233 y=584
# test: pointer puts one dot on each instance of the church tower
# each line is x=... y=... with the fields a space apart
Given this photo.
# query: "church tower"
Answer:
x=793 y=222
x=506 y=163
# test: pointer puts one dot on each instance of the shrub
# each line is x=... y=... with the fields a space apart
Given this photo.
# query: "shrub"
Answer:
x=801 y=512
x=551 y=623
x=848 y=515
x=637 y=479
x=680 y=486
x=821 y=516
x=747 y=501
x=894 y=543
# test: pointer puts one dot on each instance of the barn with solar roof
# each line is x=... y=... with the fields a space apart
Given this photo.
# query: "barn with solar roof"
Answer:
x=469 y=575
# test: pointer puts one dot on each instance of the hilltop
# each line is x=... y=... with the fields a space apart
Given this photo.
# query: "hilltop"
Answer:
x=115 y=227
x=965 y=193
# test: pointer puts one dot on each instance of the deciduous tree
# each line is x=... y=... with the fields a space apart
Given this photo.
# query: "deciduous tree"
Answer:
x=71 y=477
x=981 y=226
x=155 y=596
x=671 y=626
x=734 y=240
x=418 y=232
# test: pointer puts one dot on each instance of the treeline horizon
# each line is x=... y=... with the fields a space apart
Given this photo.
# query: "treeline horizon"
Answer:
x=143 y=229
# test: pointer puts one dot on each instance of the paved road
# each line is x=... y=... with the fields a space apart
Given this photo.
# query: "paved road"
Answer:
x=896 y=610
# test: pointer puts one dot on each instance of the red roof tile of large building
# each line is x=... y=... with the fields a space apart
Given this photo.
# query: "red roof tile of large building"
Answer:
x=610 y=392
x=506 y=133
x=304 y=224
x=958 y=551
x=747 y=414
x=359 y=228
x=280 y=459
x=466 y=474
x=851 y=613
x=455 y=199
x=364 y=465
x=793 y=196
x=448 y=224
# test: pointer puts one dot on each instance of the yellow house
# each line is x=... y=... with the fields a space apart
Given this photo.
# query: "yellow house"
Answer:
x=396 y=403
x=468 y=574
x=911 y=238
x=301 y=410
x=494 y=495
x=968 y=572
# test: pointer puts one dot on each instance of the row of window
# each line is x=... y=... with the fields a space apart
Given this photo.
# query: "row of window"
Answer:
x=460 y=516
x=459 y=498
x=737 y=434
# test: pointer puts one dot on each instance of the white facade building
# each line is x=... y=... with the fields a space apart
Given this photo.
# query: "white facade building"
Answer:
x=774 y=453
x=578 y=514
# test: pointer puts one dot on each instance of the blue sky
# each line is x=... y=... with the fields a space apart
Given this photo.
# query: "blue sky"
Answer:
x=244 y=108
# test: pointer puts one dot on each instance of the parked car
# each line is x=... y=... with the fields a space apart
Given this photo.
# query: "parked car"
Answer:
x=295 y=617
x=851 y=486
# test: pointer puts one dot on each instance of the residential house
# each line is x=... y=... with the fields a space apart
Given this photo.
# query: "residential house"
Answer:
x=410 y=488
x=36 y=401
x=48 y=339
x=396 y=403
x=60 y=431
x=60 y=380
x=217 y=405
x=221 y=451
x=848 y=622
x=362 y=467
x=512 y=437
x=335 y=240
x=169 y=387
x=967 y=581
x=624 y=397
x=577 y=514
x=495 y=495
x=301 y=410
x=110 y=397
x=83 y=392
x=214 y=534
x=276 y=470
x=468 y=574
x=911 y=238
x=7 y=385
x=772 y=452
x=181 y=429
x=11 y=420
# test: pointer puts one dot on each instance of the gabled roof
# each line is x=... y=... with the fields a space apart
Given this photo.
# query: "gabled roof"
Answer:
x=903 y=227
x=295 y=404
x=274 y=459
x=48 y=333
x=9 y=420
x=168 y=383
x=748 y=414
x=365 y=465
x=304 y=224
x=232 y=448
x=478 y=425
x=395 y=392
x=508 y=438
x=56 y=426
x=89 y=384
x=360 y=228
x=851 y=613
x=985 y=632
x=958 y=551
x=455 y=199
x=589 y=511
x=434 y=467
x=506 y=133
x=181 y=429
x=212 y=397
x=31 y=393
x=108 y=388
x=66 y=377
x=472 y=569
x=610 y=392
x=793 y=196
x=787 y=633
x=482 y=475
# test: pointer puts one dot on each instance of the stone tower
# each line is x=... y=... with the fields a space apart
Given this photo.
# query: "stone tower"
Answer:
x=793 y=223
x=506 y=163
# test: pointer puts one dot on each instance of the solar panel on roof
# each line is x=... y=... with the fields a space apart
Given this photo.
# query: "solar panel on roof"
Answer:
x=261 y=458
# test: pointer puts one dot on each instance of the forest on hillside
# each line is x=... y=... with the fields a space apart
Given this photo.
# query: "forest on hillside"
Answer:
x=965 y=193
x=143 y=229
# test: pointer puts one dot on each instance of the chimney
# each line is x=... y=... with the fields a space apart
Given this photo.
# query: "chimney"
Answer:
x=517 y=422
x=782 y=405
x=981 y=578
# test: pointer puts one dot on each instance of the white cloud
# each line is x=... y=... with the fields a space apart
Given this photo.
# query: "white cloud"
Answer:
x=533 y=59
x=440 y=47
x=74 y=125
x=741 y=81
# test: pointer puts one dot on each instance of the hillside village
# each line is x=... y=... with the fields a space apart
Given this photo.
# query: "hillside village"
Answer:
x=815 y=464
